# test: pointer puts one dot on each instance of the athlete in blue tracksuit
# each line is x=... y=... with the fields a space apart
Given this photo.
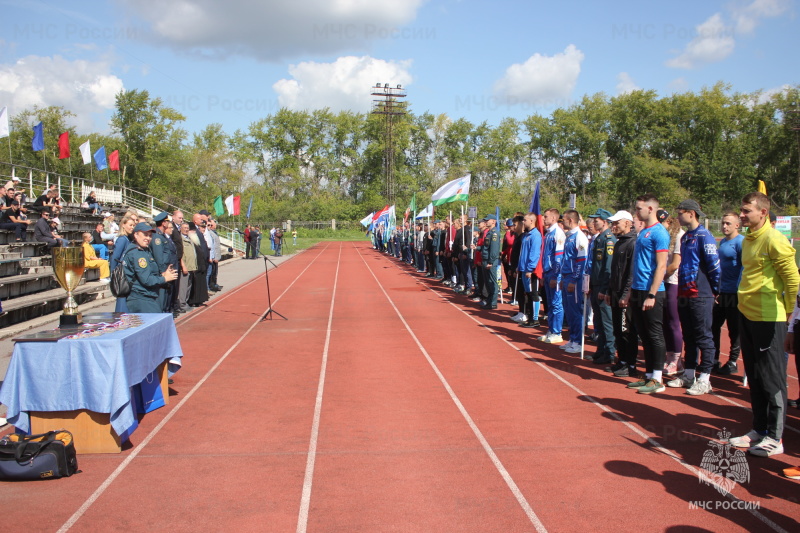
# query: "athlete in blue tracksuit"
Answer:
x=551 y=263
x=529 y=255
x=575 y=249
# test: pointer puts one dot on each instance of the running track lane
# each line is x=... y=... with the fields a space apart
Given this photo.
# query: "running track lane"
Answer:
x=575 y=462
x=394 y=452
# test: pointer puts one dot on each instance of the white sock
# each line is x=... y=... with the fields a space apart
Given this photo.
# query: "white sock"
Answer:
x=648 y=375
x=689 y=373
x=657 y=375
x=703 y=377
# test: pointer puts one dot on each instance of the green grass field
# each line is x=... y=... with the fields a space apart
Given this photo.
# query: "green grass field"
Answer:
x=308 y=238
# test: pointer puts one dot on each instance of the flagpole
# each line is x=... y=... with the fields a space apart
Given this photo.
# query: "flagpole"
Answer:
x=10 y=159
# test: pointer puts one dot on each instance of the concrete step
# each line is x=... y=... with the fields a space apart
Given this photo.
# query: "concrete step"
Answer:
x=35 y=305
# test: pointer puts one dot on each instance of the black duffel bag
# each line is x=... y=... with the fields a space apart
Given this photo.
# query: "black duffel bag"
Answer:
x=28 y=457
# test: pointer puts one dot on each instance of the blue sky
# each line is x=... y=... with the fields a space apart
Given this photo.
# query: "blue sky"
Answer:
x=236 y=61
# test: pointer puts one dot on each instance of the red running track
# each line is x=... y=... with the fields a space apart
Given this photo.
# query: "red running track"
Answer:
x=386 y=403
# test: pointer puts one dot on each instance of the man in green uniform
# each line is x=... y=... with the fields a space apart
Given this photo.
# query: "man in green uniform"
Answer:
x=599 y=282
x=143 y=273
x=490 y=255
x=164 y=253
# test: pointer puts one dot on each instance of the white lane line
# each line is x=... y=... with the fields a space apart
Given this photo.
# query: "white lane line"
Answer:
x=526 y=507
x=305 y=499
x=654 y=443
x=136 y=451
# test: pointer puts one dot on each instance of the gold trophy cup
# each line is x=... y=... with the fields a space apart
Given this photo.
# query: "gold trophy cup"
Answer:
x=68 y=270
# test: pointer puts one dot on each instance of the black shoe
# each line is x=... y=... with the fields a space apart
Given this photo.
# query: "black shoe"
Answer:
x=616 y=366
x=602 y=361
x=529 y=324
x=625 y=372
x=488 y=306
x=794 y=403
x=728 y=369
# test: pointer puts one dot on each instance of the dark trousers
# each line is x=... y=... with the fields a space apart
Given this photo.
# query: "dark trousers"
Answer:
x=480 y=281
x=19 y=229
x=248 y=249
x=625 y=335
x=695 y=316
x=726 y=310
x=604 y=326
x=649 y=326
x=765 y=366
x=466 y=270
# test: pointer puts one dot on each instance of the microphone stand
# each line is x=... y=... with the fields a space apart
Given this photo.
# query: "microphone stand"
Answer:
x=270 y=311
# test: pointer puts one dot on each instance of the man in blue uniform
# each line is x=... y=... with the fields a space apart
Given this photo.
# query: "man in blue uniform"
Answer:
x=726 y=307
x=575 y=250
x=143 y=273
x=165 y=255
x=553 y=255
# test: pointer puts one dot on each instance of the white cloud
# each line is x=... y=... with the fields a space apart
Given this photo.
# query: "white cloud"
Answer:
x=679 y=85
x=714 y=42
x=80 y=86
x=748 y=17
x=541 y=80
x=625 y=83
x=341 y=85
x=277 y=29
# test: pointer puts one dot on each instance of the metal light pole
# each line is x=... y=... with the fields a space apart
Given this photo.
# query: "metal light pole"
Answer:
x=793 y=120
x=390 y=105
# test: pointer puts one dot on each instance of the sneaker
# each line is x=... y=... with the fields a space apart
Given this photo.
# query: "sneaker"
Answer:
x=530 y=324
x=746 y=441
x=681 y=381
x=3 y=421
x=105 y=281
x=651 y=387
x=767 y=447
x=566 y=346
x=554 y=339
x=638 y=384
x=794 y=403
x=616 y=366
x=728 y=369
x=476 y=299
x=792 y=473
x=519 y=317
x=626 y=372
x=514 y=302
x=716 y=367
x=699 y=387
x=575 y=348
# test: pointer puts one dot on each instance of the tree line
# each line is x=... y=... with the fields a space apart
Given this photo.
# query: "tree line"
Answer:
x=713 y=146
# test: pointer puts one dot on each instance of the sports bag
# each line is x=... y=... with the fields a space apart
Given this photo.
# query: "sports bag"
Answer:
x=49 y=455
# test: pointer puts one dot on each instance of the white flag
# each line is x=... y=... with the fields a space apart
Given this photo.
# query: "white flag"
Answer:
x=229 y=204
x=86 y=153
x=452 y=191
x=4 y=131
x=367 y=220
x=427 y=212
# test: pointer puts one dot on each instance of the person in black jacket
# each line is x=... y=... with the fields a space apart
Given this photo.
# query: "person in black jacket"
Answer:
x=625 y=336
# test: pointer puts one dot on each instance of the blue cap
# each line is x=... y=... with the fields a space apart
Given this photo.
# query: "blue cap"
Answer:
x=490 y=217
x=602 y=214
x=142 y=226
x=509 y=222
x=161 y=216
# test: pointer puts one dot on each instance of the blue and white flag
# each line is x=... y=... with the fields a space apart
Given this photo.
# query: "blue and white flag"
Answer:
x=427 y=212
x=367 y=220
x=38 y=137
x=249 y=207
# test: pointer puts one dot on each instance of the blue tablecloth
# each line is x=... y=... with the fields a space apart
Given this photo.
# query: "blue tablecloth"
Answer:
x=94 y=373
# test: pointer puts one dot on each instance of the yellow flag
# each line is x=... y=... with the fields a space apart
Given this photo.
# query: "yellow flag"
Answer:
x=762 y=187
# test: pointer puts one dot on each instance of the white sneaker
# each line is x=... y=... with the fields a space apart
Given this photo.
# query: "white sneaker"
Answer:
x=3 y=421
x=569 y=346
x=105 y=281
x=746 y=441
x=767 y=447
x=575 y=348
x=520 y=317
x=553 y=339
x=681 y=381
x=699 y=387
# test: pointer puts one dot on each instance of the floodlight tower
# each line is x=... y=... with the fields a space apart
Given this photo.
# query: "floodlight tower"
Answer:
x=390 y=105
x=793 y=120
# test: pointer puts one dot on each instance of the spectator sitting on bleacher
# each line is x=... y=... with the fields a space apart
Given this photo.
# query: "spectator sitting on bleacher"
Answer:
x=44 y=231
x=13 y=183
x=11 y=219
x=7 y=198
x=90 y=259
x=101 y=240
x=48 y=199
x=110 y=227
x=92 y=203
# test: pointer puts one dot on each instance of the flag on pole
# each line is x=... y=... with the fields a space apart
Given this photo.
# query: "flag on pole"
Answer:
x=367 y=220
x=427 y=212
x=379 y=214
x=38 y=137
x=452 y=191
x=762 y=187
x=100 y=158
x=113 y=160
x=249 y=207
x=63 y=146
x=536 y=209
x=232 y=203
x=86 y=152
x=219 y=207
x=4 y=130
